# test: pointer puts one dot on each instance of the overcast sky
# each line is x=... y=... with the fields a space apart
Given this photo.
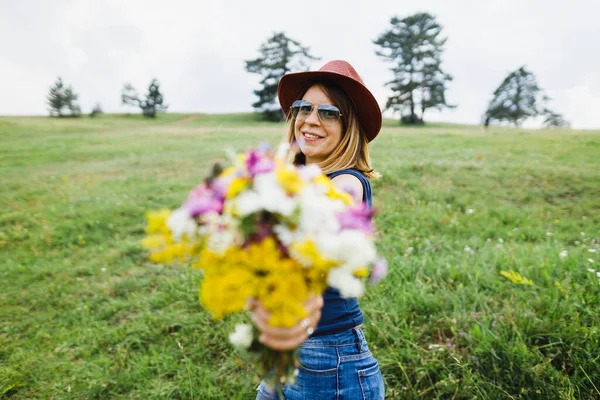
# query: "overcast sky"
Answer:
x=197 y=49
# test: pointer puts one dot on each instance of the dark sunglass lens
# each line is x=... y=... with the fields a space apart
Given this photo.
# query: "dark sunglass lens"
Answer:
x=329 y=113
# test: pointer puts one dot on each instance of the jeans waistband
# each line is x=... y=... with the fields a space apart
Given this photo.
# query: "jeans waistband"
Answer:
x=350 y=337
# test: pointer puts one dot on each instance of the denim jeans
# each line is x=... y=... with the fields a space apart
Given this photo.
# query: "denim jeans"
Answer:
x=338 y=366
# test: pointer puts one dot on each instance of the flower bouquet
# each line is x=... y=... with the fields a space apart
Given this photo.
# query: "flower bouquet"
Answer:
x=266 y=229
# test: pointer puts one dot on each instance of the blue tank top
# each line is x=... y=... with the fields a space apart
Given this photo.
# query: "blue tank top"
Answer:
x=340 y=314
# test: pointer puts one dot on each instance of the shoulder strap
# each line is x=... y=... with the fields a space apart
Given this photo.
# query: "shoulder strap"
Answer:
x=367 y=191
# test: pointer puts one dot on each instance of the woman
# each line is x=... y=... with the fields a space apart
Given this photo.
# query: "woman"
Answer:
x=332 y=116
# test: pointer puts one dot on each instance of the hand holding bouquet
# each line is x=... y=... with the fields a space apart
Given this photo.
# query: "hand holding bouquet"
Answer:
x=267 y=230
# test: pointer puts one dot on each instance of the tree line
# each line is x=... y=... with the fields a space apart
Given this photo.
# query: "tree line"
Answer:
x=62 y=100
x=413 y=46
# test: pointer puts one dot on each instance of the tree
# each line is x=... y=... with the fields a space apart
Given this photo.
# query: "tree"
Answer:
x=278 y=56
x=97 y=110
x=553 y=119
x=414 y=46
x=517 y=98
x=61 y=98
x=150 y=105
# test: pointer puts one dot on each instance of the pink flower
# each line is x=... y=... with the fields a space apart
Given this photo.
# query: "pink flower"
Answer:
x=202 y=200
x=359 y=217
x=256 y=163
x=379 y=271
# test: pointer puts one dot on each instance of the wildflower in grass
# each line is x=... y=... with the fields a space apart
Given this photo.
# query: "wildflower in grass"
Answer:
x=591 y=270
x=409 y=251
x=469 y=251
x=557 y=221
x=598 y=274
x=577 y=243
x=549 y=234
x=470 y=211
x=515 y=277
x=242 y=336
x=500 y=240
x=592 y=250
x=559 y=286
x=590 y=261
x=563 y=254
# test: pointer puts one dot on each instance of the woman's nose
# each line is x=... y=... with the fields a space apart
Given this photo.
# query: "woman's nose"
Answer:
x=313 y=117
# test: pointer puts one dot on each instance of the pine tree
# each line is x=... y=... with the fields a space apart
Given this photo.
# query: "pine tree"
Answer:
x=517 y=98
x=150 y=105
x=61 y=97
x=414 y=46
x=278 y=56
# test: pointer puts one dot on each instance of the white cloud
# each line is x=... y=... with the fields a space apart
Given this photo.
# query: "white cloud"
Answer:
x=197 y=49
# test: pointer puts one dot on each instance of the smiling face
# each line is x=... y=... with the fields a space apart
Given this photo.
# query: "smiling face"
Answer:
x=317 y=140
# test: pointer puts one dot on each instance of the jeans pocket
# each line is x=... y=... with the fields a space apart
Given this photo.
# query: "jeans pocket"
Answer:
x=371 y=383
x=318 y=360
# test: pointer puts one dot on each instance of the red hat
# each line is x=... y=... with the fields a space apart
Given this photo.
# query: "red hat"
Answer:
x=345 y=76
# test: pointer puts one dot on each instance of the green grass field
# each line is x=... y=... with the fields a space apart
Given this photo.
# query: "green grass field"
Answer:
x=84 y=315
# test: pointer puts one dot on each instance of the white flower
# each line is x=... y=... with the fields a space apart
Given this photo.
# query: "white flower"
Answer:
x=500 y=240
x=488 y=240
x=577 y=242
x=549 y=234
x=470 y=211
x=341 y=278
x=350 y=247
x=103 y=269
x=242 y=336
x=282 y=150
x=410 y=250
x=591 y=270
x=563 y=254
x=284 y=234
x=582 y=233
x=592 y=250
x=598 y=274
x=180 y=223
x=318 y=212
x=267 y=195
x=590 y=260
x=469 y=250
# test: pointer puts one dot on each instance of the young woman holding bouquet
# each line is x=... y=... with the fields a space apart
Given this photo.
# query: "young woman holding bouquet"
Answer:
x=333 y=117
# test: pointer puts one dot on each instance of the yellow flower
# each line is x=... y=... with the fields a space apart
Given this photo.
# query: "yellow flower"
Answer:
x=289 y=180
x=227 y=293
x=333 y=192
x=316 y=269
x=157 y=222
x=515 y=277
x=361 y=272
x=236 y=186
x=283 y=294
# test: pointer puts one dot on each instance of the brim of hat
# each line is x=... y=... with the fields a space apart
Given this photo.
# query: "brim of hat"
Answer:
x=369 y=114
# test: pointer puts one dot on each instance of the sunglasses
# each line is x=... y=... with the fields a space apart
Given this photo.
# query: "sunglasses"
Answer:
x=328 y=114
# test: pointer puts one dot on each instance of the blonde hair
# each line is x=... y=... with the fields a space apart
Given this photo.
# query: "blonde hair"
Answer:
x=353 y=150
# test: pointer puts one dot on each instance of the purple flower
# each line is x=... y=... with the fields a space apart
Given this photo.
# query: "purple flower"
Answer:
x=202 y=199
x=202 y=205
x=358 y=217
x=256 y=163
x=379 y=271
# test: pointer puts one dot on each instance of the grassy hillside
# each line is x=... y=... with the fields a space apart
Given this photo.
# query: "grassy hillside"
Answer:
x=84 y=315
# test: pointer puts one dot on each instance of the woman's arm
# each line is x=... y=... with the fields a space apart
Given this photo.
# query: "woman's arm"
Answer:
x=350 y=184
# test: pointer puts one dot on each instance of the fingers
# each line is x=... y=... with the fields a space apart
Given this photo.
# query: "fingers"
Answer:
x=286 y=338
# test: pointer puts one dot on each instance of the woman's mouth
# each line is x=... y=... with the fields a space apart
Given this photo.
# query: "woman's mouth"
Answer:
x=310 y=136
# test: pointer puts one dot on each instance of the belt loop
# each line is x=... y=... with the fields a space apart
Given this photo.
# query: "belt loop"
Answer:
x=360 y=337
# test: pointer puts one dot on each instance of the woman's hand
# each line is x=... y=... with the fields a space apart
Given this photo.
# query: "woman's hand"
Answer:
x=286 y=338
